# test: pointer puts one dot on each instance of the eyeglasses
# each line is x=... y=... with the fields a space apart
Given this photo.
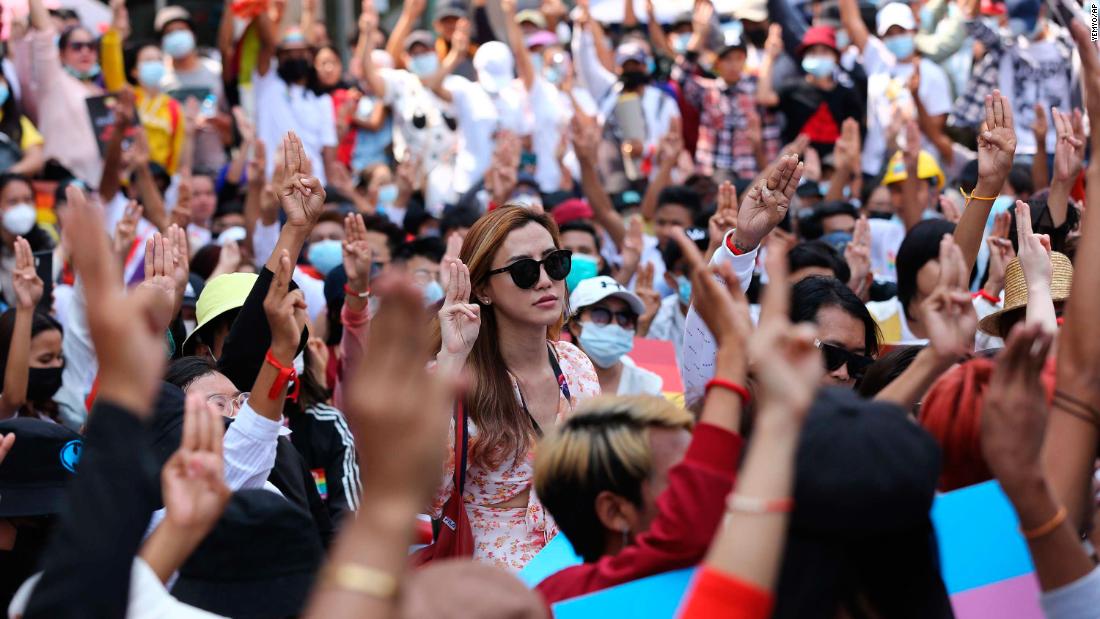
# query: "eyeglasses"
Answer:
x=836 y=356
x=526 y=272
x=227 y=405
x=603 y=316
x=76 y=46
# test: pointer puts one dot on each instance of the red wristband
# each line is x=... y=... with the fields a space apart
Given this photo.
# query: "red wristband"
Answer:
x=354 y=293
x=287 y=375
x=740 y=390
x=987 y=296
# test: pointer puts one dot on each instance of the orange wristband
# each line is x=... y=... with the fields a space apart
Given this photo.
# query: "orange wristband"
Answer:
x=1046 y=528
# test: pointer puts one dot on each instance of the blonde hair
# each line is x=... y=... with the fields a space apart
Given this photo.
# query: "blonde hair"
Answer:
x=604 y=445
x=503 y=429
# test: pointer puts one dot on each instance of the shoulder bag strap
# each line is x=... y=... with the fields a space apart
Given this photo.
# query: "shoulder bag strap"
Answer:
x=462 y=440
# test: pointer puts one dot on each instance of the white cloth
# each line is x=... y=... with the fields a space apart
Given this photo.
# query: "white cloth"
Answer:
x=264 y=240
x=668 y=324
x=700 y=349
x=1035 y=73
x=294 y=108
x=886 y=238
x=314 y=291
x=149 y=599
x=1079 y=599
x=480 y=116
x=888 y=95
x=638 y=381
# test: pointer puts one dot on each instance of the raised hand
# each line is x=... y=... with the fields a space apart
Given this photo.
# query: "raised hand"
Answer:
x=672 y=144
x=643 y=287
x=717 y=297
x=300 y=193
x=786 y=363
x=28 y=286
x=161 y=266
x=1039 y=126
x=949 y=209
x=911 y=151
x=126 y=229
x=766 y=203
x=1000 y=254
x=394 y=403
x=701 y=16
x=129 y=345
x=229 y=259
x=193 y=480
x=257 y=164
x=858 y=256
x=286 y=312
x=586 y=138
x=724 y=218
x=1034 y=255
x=633 y=245
x=454 y=248
x=460 y=40
x=1069 y=150
x=181 y=213
x=357 y=254
x=773 y=45
x=846 y=154
x=1014 y=416
x=459 y=320
x=948 y=314
x=997 y=142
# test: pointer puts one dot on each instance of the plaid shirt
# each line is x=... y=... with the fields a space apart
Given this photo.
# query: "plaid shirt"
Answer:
x=969 y=110
x=723 y=119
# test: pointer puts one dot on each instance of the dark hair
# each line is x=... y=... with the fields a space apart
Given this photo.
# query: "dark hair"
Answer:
x=811 y=225
x=812 y=294
x=1019 y=178
x=886 y=369
x=12 y=123
x=130 y=53
x=205 y=260
x=1043 y=223
x=63 y=40
x=229 y=207
x=818 y=254
x=186 y=370
x=581 y=226
x=457 y=217
x=394 y=236
x=39 y=323
x=8 y=178
x=430 y=248
x=968 y=176
x=671 y=254
x=681 y=195
x=160 y=176
x=920 y=246
x=335 y=281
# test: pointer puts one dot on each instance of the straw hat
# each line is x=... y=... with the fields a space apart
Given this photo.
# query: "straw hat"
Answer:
x=1016 y=291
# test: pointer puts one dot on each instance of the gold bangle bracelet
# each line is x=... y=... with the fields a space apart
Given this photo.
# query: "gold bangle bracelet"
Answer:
x=361 y=579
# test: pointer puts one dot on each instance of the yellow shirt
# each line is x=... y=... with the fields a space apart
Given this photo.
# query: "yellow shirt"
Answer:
x=162 y=119
x=31 y=136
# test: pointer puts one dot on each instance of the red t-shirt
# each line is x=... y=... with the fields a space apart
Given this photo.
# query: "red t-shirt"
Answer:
x=715 y=594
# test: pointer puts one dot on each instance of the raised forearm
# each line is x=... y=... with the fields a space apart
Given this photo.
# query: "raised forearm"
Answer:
x=18 y=368
x=604 y=211
x=723 y=407
x=1058 y=556
x=168 y=547
x=151 y=199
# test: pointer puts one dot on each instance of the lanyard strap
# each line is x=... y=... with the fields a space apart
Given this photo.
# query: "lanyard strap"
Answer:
x=563 y=385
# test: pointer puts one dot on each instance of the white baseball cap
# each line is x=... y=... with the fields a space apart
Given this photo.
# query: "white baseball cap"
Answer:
x=894 y=14
x=595 y=289
x=495 y=66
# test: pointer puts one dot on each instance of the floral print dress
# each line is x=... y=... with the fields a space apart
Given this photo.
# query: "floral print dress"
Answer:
x=512 y=536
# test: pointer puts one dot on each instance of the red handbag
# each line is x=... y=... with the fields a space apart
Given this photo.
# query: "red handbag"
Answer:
x=454 y=537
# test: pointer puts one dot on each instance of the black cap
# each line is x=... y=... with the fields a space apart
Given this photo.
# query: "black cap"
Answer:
x=41 y=462
x=422 y=37
x=259 y=561
x=450 y=8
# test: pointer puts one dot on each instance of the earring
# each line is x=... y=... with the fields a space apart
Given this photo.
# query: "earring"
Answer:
x=485 y=301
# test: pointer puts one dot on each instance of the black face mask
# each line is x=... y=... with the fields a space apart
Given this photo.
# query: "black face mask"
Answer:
x=879 y=215
x=756 y=37
x=43 y=383
x=634 y=79
x=294 y=70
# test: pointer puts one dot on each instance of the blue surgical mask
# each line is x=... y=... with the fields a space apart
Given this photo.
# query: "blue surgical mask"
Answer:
x=819 y=66
x=433 y=292
x=680 y=42
x=5 y=92
x=900 y=45
x=536 y=61
x=91 y=73
x=326 y=255
x=993 y=23
x=683 y=289
x=150 y=73
x=553 y=74
x=583 y=267
x=387 y=194
x=423 y=65
x=838 y=240
x=179 y=43
x=605 y=344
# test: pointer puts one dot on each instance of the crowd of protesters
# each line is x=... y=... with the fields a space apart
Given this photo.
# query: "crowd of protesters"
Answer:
x=299 y=327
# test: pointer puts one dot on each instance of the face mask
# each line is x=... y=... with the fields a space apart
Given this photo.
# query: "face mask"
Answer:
x=4 y=93
x=91 y=73
x=433 y=293
x=605 y=344
x=19 y=219
x=583 y=267
x=536 y=61
x=387 y=194
x=901 y=45
x=326 y=255
x=842 y=40
x=43 y=383
x=179 y=43
x=553 y=74
x=818 y=66
x=838 y=240
x=424 y=65
x=189 y=326
x=683 y=289
x=293 y=70
x=150 y=73
x=680 y=42
x=634 y=79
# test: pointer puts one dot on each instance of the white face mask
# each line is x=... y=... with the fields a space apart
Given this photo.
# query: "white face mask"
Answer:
x=605 y=344
x=19 y=218
x=189 y=326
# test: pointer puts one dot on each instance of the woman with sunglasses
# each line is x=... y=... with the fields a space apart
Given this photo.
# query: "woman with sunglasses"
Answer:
x=604 y=322
x=63 y=71
x=846 y=333
x=504 y=309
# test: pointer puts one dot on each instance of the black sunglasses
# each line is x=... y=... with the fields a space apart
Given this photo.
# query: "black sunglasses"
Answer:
x=76 y=46
x=525 y=272
x=836 y=356
x=603 y=316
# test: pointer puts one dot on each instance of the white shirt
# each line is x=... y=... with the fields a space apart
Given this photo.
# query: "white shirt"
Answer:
x=888 y=95
x=1036 y=73
x=638 y=381
x=886 y=238
x=668 y=324
x=281 y=108
x=1077 y=600
x=700 y=349
x=480 y=116
x=314 y=291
